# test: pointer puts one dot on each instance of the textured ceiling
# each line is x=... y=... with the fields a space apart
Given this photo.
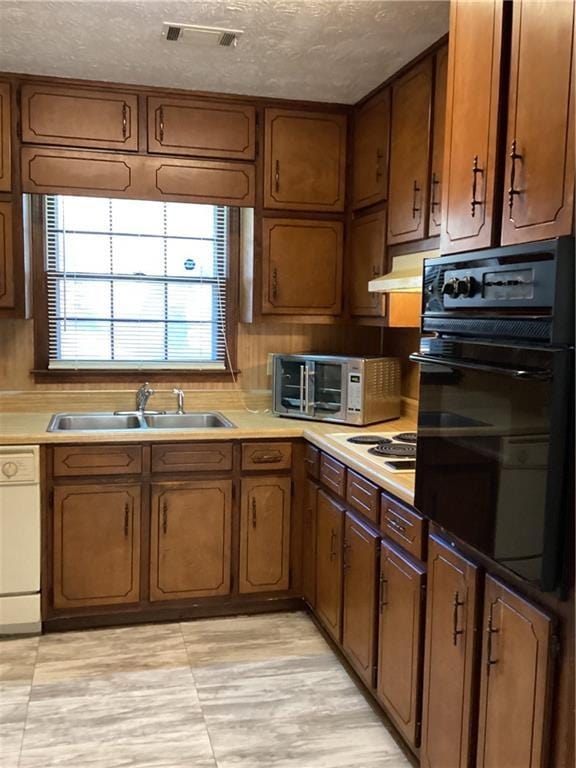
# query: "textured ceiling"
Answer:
x=324 y=50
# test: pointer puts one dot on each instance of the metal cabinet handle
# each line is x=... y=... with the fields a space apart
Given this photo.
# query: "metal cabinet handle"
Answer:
x=433 y=202
x=395 y=525
x=124 y=120
x=491 y=632
x=455 y=631
x=161 y=125
x=253 y=512
x=165 y=517
x=345 y=564
x=475 y=171
x=332 y=544
x=513 y=191
x=277 y=176
x=415 y=191
x=383 y=592
x=126 y=519
x=275 y=283
x=267 y=458
x=379 y=156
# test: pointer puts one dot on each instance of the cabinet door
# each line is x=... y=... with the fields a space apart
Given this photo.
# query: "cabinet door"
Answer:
x=400 y=647
x=190 y=539
x=329 y=540
x=5 y=139
x=302 y=267
x=371 y=144
x=409 y=155
x=6 y=257
x=360 y=594
x=514 y=681
x=472 y=102
x=96 y=556
x=438 y=135
x=539 y=179
x=449 y=658
x=201 y=128
x=309 y=544
x=368 y=260
x=265 y=534
x=304 y=160
x=79 y=117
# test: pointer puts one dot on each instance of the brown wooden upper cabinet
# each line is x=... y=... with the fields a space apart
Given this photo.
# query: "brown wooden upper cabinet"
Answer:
x=201 y=128
x=7 y=296
x=329 y=541
x=451 y=633
x=301 y=267
x=360 y=594
x=367 y=260
x=79 y=117
x=96 y=545
x=371 y=145
x=265 y=534
x=304 y=160
x=191 y=531
x=539 y=176
x=514 y=681
x=438 y=135
x=409 y=154
x=5 y=139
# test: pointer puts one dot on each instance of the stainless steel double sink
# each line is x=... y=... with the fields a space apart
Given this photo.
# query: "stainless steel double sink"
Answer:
x=107 y=422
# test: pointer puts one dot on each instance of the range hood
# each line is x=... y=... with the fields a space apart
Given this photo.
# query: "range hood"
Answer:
x=406 y=274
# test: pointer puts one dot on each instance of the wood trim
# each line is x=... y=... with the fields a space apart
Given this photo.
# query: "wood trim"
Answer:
x=86 y=460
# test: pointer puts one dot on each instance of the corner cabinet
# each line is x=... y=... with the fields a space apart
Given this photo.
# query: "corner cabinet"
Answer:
x=302 y=267
x=96 y=558
x=190 y=539
x=371 y=147
x=304 y=160
x=367 y=261
x=265 y=534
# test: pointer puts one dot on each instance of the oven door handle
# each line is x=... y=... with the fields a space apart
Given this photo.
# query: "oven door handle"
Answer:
x=534 y=375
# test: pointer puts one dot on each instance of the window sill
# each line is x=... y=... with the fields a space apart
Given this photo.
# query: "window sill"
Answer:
x=131 y=375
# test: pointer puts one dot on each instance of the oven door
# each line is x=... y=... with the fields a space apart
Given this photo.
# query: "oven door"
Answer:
x=493 y=451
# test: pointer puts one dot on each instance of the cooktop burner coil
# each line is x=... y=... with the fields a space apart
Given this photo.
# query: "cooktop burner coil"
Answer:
x=406 y=437
x=368 y=440
x=395 y=449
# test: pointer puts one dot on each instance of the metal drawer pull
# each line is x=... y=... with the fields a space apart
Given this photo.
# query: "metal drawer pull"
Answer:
x=267 y=458
x=455 y=631
x=475 y=172
x=415 y=190
x=383 y=592
x=332 y=544
x=491 y=631
x=277 y=176
x=395 y=525
x=275 y=283
x=165 y=517
x=161 y=126
x=124 y=120
x=126 y=518
x=253 y=512
x=512 y=192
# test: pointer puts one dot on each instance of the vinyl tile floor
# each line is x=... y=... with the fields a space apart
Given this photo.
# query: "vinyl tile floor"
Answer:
x=242 y=692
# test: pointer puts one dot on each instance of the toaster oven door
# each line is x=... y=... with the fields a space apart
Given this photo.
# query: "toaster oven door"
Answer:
x=292 y=395
x=328 y=390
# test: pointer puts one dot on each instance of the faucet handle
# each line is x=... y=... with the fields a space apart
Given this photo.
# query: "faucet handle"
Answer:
x=180 y=395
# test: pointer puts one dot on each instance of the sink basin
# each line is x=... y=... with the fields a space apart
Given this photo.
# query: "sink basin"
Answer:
x=187 y=421
x=112 y=421
x=98 y=421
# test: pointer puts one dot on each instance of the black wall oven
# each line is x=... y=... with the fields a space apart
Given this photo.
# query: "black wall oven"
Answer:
x=495 y=440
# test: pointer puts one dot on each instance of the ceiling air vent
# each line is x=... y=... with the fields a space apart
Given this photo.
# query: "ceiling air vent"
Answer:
x=205 y=37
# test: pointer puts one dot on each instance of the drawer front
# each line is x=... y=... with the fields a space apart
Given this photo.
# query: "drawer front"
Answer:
x=312 y=459
x=79 y=460
x=363 y=496
x=267 y=456
x=205 y=457
x=333 y=474
x=404 y=526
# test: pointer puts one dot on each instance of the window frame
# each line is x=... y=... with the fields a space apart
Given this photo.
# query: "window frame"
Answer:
x=42 y=372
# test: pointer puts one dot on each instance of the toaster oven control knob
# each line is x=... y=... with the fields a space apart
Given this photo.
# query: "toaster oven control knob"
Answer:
x=467 y=287
x=451 y=288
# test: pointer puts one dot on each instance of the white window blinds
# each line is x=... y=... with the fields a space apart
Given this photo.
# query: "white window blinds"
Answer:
x=136 y=284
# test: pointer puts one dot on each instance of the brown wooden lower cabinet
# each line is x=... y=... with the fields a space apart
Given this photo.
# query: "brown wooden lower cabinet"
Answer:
x=451 y=634
x=190 y=539
x=400 y=645
x=360 y=595
x=96 y=558
x=265 y=534
x=309 y=544
x=515 y=681
x=329 y=540
x=7 y=296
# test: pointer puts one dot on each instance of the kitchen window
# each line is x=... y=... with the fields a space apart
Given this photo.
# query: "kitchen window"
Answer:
x=135 y=285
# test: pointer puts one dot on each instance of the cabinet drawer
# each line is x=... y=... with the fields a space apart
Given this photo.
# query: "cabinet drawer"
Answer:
x=403 y=525
x=333 y=474
x=78 y=117
x=312 y=459
x=180 y=457
x=97 y=460
x=362 y=495
x=271 y=456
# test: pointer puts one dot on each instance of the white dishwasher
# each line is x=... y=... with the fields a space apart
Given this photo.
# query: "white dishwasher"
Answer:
x=20 y=540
